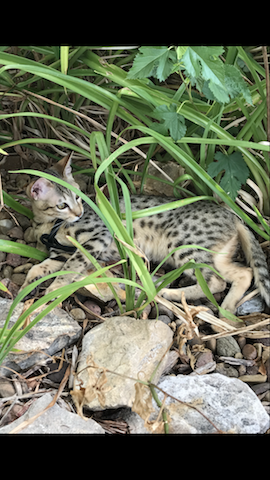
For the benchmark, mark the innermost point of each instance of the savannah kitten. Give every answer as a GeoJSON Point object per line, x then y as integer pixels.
{"type": "Point", "coordinates": [203, 223]}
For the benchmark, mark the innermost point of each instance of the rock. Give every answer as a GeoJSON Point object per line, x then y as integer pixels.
{"type": "Point", "coordinates": [135, 423]}
{"type": "Point", "coordinates": [18, 278]}
{"type": "Point", "coordinates": [3, 256]}
{"type": "Point", "coordinates": [255, 304]}
{"type": "Point", "coordinates": [5, 225]}
{"type": "Point", "coordinates": [78, 314]}
{"type": "Point", "coordinates": [6, 388]}
{"type": "Point", "coordinates": [249, 352]}
{"type": "Point", "coordinates": [7, 271]}
{"type": "Point", "coordinates": [94, 307]}
{"type": "Point", "coordinates": [162, 310]}
{"type": "Point", "coordinates": [211, 344]}
{"type": "Point", "coordinates": [126, 346]}
{"type": "Point", "coordinates": [261, 388]}
{"type": "Point", "coordinates": [227, 346]}
{"type": "Point", "coordinates": [54, 420]}
{"type": "Point", "coordinates": [57, 329]}
{"type": "Point", "coordinates": [241, 341]}
{"type": "Point", "coordinates": [14, 260]}
{"type": "Point", "coordinates": [227, 370]}
{"type": "Point", "coordinates": [230, 404]}
{"type": "Point", "coordinates": [16, 232]}
{"type": "Point", "coordinates": [204, 358]}
{"type": "Point", "coordinates": [165, 319]}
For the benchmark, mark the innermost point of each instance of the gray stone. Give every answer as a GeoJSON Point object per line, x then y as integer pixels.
{"type": "Point", "coordinates": [227, 346]}
{"type": "Point", "coordinates": [127, 346]}
{"type": "Point", "coordinates": [229, 403]}
{"type": "Point", "coordinates": [227, 370]}
{"type": "Point", "coordinates": [255, 304]}
{"type": "Point", "coordinates": [56, 329]}
{"type": "Point", "coordinates": [54, 420]}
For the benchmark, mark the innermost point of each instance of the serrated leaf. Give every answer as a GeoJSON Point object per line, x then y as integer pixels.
{"type": "Point", "coordinates": [204, 62]}
{"type": "Point", "coordinates": [153, 61]}
{"type": "Point", "coordinates": [235, 84]}
{"type": "Point", "coordinates": [172, 121]}
{"type": "Point", "coordinates": [236, 172]}
{"type": "Point", "coordinates": [180, 51]}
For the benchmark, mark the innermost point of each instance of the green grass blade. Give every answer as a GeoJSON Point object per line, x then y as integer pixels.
{"type": "Point", "coordinates": [21, 249]}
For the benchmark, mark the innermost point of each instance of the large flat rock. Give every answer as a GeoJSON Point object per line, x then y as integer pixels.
{"type": "Point", "coordinates": [126, 346]}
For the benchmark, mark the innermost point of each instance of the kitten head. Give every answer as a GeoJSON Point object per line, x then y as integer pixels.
{"type": "Point", "coordinates": [51, 200]}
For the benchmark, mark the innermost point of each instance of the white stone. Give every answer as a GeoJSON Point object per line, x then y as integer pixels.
{"type": "Point", "coordinates": [54, 420]}
{"type": "Point", "coordinates": [228, 402]}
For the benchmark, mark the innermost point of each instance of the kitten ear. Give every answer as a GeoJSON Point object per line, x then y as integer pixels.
{"type": "Point", "coordinates": [63, 166]}
{"type": "Point", "coordinates": [40, 189]}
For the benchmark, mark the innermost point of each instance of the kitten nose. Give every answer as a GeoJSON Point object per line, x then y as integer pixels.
{"type": "Point", "coordinates": [78, 212]}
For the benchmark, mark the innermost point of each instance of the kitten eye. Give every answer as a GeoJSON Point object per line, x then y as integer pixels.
{"type": "Point", "coordinates": [77, 197]}
{"type": "Point", "coordinates": [62, 206]}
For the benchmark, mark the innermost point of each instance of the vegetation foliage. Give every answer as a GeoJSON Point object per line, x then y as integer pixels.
{"type": "Point", "coordinates": [203, 107]}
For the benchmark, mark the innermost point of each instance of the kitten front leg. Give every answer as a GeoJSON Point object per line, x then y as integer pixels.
{"type": "Point", "coordinates": [79, 263]}
{"type": "Point", "coordinates": [50, 265]}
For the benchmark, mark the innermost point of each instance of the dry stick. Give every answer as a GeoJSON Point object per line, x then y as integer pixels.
{"type": "Point", "coordinates": [266, 66]}
{"type": "Point", "coordinates": [51, 404]}
{"type": "Point", "coordinates": [238, 331]}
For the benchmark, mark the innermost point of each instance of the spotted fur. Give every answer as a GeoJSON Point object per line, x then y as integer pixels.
{"type": "Point", "coordinates": [202, 223]}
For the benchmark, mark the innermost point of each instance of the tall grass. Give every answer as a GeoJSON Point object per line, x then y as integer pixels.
{"type": "Point", "coordinates": [48, 91]}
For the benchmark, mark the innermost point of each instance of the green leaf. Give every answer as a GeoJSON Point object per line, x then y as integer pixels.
{"type": "Point", "coordinates": [236, 172]}
{"type": "Point", "coordinates": [233, 86]}
{"type": "Point", "coordinates": [172, 122]}
{"type": "Point", "coordinates": [153, 61]}
{"type": "Point", "coordinates": [203, 63]}
{"type": "Point", "coordinates": [235, 83]}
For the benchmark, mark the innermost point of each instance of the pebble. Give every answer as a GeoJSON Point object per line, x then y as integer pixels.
{"type": "Point", "coordinates": [78, 314]}
{"type": "Point", "coordinates": [164, 319]}
{"type": "Point", "coordinates": [241, 341]}
{"type": "Point", "coordinates": [2, 257]}
{"type": "Point", "coordinates": [6, 225]}
{"type": "Point", "coordinates": [94, 307]}
{"type": "Point", "coordinates": [211, 344]}
{"type": "Point", "coordinates": [7, 271]}
{"type": "Point", "coordinates": [226, 370]}
{"type": "Point", "coordinates": [18, 278]}
{"type": "Point", "coordinates": [162, 310]}
{"type": "Point", "coordinates": [242, 370]}
{"type": "Point", "coordinates": [255, 304]}
{"type": "Point", "coordinates": [14, 260]}
{"type": "Point", "coordinates": [227, 346]}
{"type": "Point", "coordinates": [204, 358]}
{"type": "Point", "coordinates": [16, 232]}
{"type": "Point", "coordinates": [6, 388]}
{"type": "Point", "coordinates": [249, 352]}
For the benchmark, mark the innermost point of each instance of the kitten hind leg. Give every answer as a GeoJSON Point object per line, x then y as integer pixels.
{"type": "Point", "coordinates": [193, 292]}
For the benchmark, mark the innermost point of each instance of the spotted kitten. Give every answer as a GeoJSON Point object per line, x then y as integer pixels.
{"type": "Point", "coordinates": [204, 223]}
